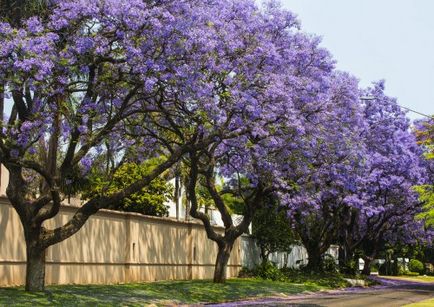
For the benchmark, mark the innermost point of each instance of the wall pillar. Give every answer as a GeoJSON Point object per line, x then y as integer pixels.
{"type": "Point", "coordinates": [128, 253]}
{"type": "Point", "coordinates": [190, 251]}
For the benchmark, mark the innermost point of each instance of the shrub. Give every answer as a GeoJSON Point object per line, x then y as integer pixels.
{"type": "Point", "coordinates": [269, 270]}
{"type": "Point", "coordinates": [416, 266]}
{"type": "Point", "coordinates": [409, 273]}
{"type": "Point", "coordinates": [401, 270]}
{"type": "Point", "coordinates": [329, 264]}
{"type": "Point", "coordinates": [350, 267]}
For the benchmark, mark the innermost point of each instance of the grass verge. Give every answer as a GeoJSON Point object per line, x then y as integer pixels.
{"type": "Point", "coordinates": [412, 278]}
{"type": "Point", "coordinates": [425, 303]}
{"type": "Point", "coordinates": [157, 293]}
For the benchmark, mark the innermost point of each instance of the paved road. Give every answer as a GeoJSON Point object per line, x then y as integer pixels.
{"type": "Point", "coordinates": [394, 294]}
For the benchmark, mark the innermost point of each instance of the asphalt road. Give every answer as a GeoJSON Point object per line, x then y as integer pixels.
{"type": "Point", "coordinates": [398, 294]}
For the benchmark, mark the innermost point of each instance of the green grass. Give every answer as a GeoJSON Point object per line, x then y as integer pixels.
{"type": "Point", "coordinates": [412, 278]}
{"type": "Point", "coordinates": [156, 293]}
{"type": "Point", "coordinates": [425, 303]}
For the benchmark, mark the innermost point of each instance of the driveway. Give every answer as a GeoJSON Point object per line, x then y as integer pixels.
{"type": "Point", "coordinates": [391, 293]}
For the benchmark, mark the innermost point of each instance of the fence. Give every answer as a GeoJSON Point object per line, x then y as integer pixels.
{"type": "Point", "coordinates": [114, 247]}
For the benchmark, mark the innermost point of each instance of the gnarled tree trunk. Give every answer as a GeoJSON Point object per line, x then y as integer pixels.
{"type": "Point", "coordinates": [224, 241]}
{"type": "Point", "coordinates": [35, 269]}
{"type": "Point", "coordinates": [224, 253]}
{"type": "Point", "coordinates": [35, 261]}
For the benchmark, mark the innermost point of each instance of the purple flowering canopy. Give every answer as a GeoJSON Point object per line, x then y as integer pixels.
{"type": "Point", "coordinates": [274, 112]}
{"type": "Point", "coordinates": [136, 79]}
{"type": "Point", "coordinates": [232, 90]}
{"type": "Point", "coordinates": [351, 178]}
{"type": "Point", "coordinates": [325, 171]}
{"type": "Point", "coordinates": [395, 165]}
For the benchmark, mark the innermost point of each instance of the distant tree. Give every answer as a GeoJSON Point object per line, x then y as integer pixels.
{"type": "Point", "coordinates": [327, 172]}
{"type": "Point", "coordinates": [272, 229]}
{"type": "Point", "coordinates": [388, 203]}
{"type": "Point", "coordinates": [150, 200]}
{"type": "Point", "coordinates": [424, 131]}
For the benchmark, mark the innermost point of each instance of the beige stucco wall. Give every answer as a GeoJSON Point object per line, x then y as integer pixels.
{"type": "Point", "coordinates": [114, 247]}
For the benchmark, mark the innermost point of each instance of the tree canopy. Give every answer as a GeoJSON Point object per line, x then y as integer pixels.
{"type": "Point", "coordinates": [150, 200]}
{"type": "Point", "coordinates": [231, 89]}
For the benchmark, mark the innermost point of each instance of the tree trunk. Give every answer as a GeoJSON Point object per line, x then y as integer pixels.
{"type": "Point", "coordinates": [367, 266]}
{"type": "Point", "coordinates": [343, 259]}
{"type": "Point", "coordinates": [314, 260]}
{"type": "Point", "coordinates": [264, 255]}
{"type": "Point", "coordinates": [346, 261]}
{"type": "Point", "coordinates": [35, 267]}
{"type": "Point", "coordinates": [222, 260]}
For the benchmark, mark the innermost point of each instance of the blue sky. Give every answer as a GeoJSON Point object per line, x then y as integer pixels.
{"type": "Point", "coordinates": [378, 39]}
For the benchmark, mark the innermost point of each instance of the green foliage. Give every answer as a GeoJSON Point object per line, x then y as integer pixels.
{"type": "Point", "coordinates": [385, 269]}
{"type": "Point", "coordinates": [272, 229]}
{"type": "Point", "coordinates": [235, 205]}
{"type": "Point", "coordinates": [426, 196]}
{"type": "Point", "coordinates": [389, 269]}
{"type": "Point", "coordinates": [416, 266]}
{"type": "Point", "coordinates": [425, 138]}
{"type": "Point", "coordinates": [350, 267]}
{"type": "Point", "coordinates": [268, 270]}
{"type": "Point", "coordinates": [329, 264]}
{"type": "Point", "coordinates": [400, 270]}
{"type": "Point", "coordinates": [150, 200]}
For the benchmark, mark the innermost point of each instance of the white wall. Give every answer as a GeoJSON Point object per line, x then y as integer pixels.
{"type": "Point", "coordinates": [251, 257]}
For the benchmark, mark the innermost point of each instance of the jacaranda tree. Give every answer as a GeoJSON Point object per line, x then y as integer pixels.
{"type": "Point", "coordinates": [327, 170]}
{"type": "Point", "coordinates": [283, 75]}
{"type": "Point", "coordinates": [424, 131]}
{"type": "Point", "coordinates": [394, 167]}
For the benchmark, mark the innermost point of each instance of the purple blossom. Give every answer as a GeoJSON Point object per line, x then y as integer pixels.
{"type": "Point", "coordinates": [34, 25]}
{"type": "Point", "coordinates": [86, 163]}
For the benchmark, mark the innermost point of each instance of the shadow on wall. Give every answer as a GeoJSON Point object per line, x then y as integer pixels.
{"type": "Point", "coordinates": [113, 247]}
